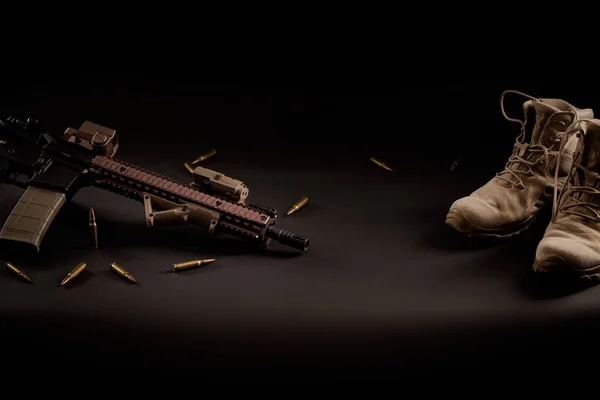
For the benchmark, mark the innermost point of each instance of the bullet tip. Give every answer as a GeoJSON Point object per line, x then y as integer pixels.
{"type": "Point", "coordinates": [210, 260]}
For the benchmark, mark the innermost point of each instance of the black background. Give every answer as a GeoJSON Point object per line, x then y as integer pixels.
{"type": "Point", "coordinates": [385, 287]}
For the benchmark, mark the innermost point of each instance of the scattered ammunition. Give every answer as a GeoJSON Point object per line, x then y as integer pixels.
{"type": "Point", "coordinates": [73, 274]}
{"type": "Point", "coordinates": [204, 157]}
{"type": "Point", "coordinates": [17, 272]}
{"type": "Point", "coordinates": [301, 203]}
{"type": "Point", "coordinates": [93, 228]}
{"type": "Point", "coordinates": [191, 264]}
{"type": "Point", "coordinates": [381, 164]}
{"type": "Point", "coordinates": [188, 167]}
{"type": "Point", "coordinates": [122, 272]}
{"type": "Point", "coordinates": [455, 163]}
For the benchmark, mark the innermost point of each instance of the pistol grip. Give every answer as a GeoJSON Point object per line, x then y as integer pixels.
{"type": "Point", "coordinates": [32, 216]}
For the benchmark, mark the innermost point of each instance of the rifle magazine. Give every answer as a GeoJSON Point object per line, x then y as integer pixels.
{"type": "Point", "coordinates": [30, 219]}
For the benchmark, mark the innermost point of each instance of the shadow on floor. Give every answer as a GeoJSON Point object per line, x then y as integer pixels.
{"type": "Point", "coordinates": [513, 257]}
{"type": "Point", "coordinates": [69, 236]}
{"type": "Point", "coordinates": [543, 286]}
{"type": "Point", "coordinates": [442, 237]}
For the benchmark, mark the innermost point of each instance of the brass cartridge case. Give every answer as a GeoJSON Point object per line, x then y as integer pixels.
{"type": "Point", "coordinates": [184, 266]}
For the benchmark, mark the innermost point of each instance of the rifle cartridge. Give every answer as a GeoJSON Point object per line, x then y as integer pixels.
{"type": "Point", "coordinates": [204, 157]}
{"type": "Point", "coordinates": [122, 272]}
{"type": "Point", "coordinates": [188, 167]}
{"type": "Point", "coordinates": [455, 163]}
{"type": "Point", "coordinates": [298, 205]}
{"type": "Point", "coordinates": [381, 163]}
{"type": "Point", "coordinates": [75, 272]}
{"type": "Point", "coordinates": [93, 228]}
{"type": "Point", "coordinates": [18, 273]}
{"type": "Point", "coordinates": [184, 266]}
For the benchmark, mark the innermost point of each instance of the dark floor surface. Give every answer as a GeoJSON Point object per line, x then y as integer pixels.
{"type": "Point", "coordinates": [385, 285]}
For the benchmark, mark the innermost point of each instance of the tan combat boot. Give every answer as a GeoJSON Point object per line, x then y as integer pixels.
{"type": "Point", "coordinates": [508, 203]}
{"type": "Point", "coordinates": [571, 242]}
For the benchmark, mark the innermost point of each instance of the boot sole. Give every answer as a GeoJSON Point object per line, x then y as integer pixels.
{"type": "Point", "coordinates": [557, 265]}
{"type": "Point", "coordinates": [459, 223]}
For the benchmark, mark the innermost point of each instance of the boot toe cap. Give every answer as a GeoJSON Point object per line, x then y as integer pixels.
{"type": "Point", "coordinates": [471, 213]}
{"type": "Point", "coordinates": [564, 255]}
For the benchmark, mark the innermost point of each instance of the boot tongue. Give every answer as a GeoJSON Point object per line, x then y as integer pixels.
{"type": "Point", "coordinates": [541, 127]}
{"type": "Point", "coordinates": [536, 117]}
{"type": "Point", "coordinates": [543, 112]}
{"type": "Point", "coordinates": [550, 122]}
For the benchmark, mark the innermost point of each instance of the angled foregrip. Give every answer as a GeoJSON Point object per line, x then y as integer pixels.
{"type": "Point", "coordinates": [32, 216]}
{"type": "Point", "coordinates": [173, 213]}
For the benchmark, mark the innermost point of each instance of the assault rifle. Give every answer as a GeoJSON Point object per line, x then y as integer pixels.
{"type": "Point", "coordinates": [52, 170]}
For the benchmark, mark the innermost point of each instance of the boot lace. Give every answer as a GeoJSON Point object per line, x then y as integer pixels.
{"type": "Point", "coordinates": [574, 186]}
{"type": "Point", "coordinates": [520, 147]}
{"type": "Point", "coordinates": [515, 160]}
